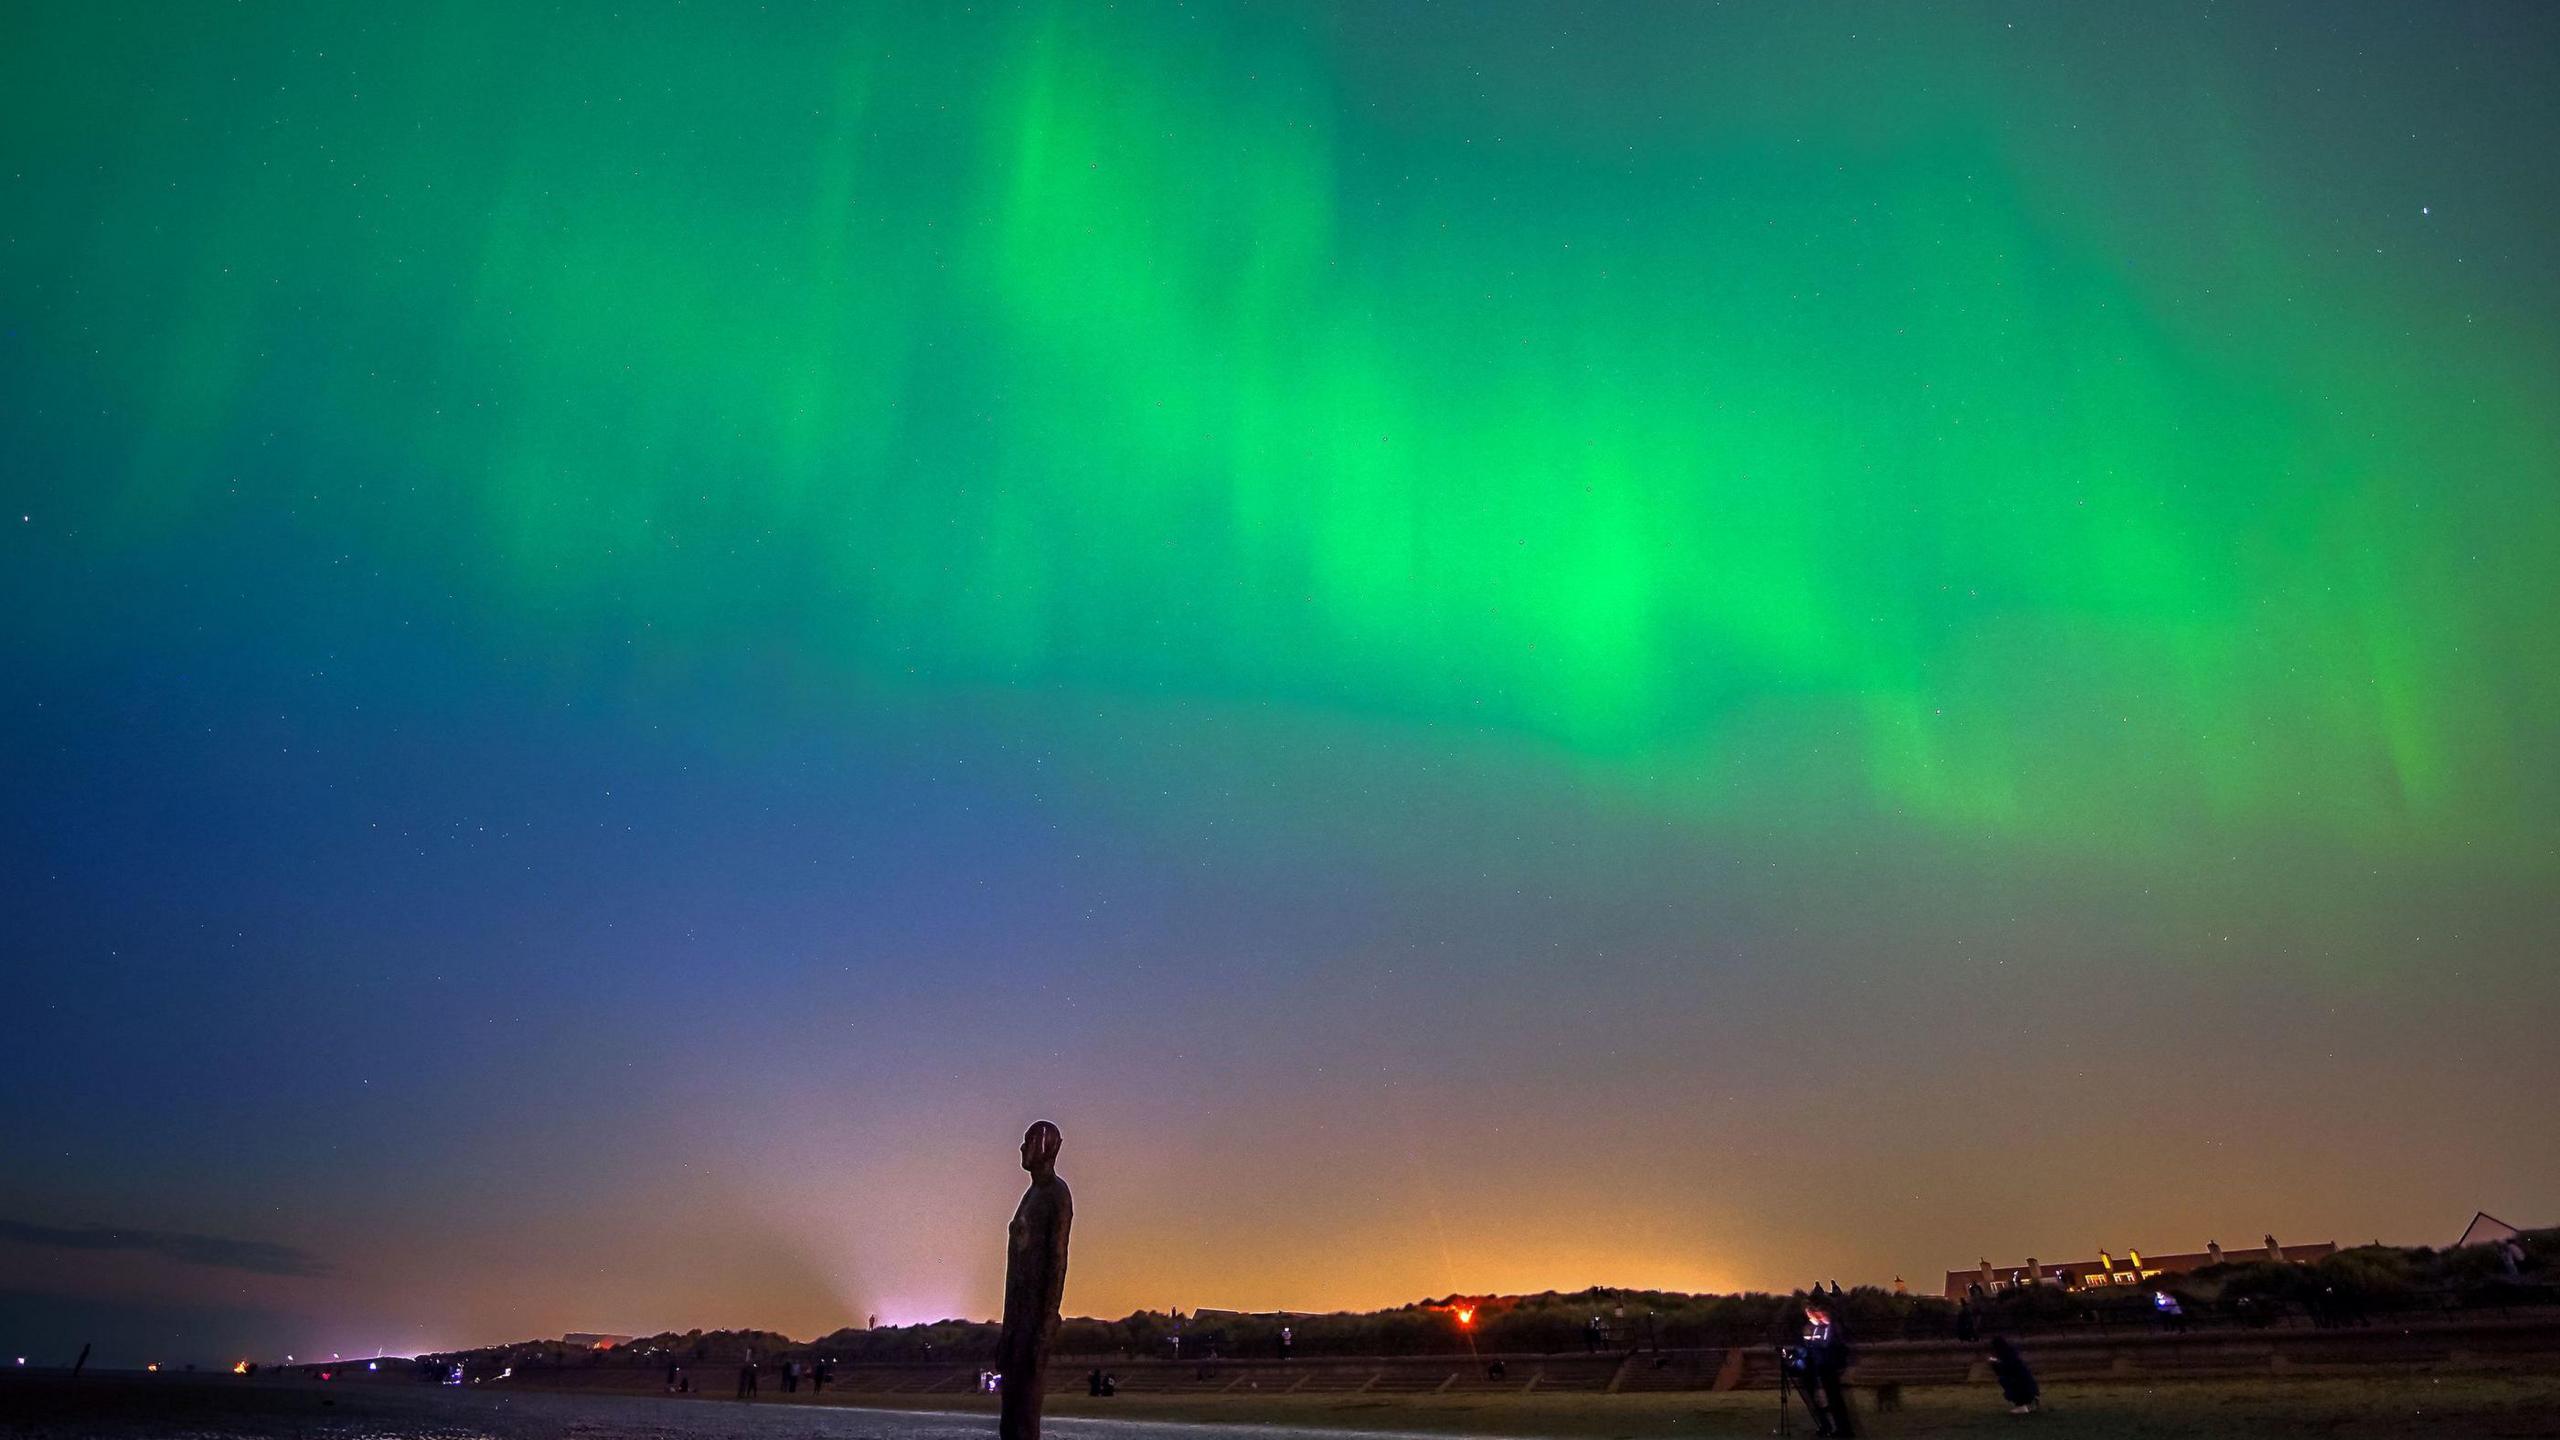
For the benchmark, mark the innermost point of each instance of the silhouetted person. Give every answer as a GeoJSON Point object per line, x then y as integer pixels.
{"type": "Point", "coordinates": [673, 1372]}
{"type": "Point", "coordinates": [747, 1378]}
{"type": "Point", "coordinates": [2173, 1316]}
{"type": "Point", "coordinates": [2017, 1382]}
{"type": "Point", "coordinates": [1825, 1364]}
{"type": "Point", "coordinates": [819, 1377]}
{"type": "Point", "coordinates": [1035, 1279]}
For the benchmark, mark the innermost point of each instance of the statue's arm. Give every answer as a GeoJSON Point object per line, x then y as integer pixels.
{"type": "Point", "coordinates": [1062, 1214]}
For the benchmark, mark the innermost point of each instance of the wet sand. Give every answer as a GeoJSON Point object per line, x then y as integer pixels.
{"type": "Point", "coordinates": [2476, 1407]}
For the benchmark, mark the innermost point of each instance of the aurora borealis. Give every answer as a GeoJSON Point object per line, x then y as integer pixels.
{"type": "Point", "coordinates": [1490, 646]}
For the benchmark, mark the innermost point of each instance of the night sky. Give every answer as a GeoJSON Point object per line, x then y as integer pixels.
{"type": "Point", "coordinates": [1491, 647]}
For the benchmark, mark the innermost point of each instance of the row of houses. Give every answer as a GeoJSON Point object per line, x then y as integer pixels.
{"type": "Point", "coordinates": [2136, 1267]}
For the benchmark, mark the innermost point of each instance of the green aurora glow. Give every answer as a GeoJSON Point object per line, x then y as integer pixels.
{"type": "Point", "coordinates": [1986, 435]}
{"type": "Point", "coordinates": [1492, 646]}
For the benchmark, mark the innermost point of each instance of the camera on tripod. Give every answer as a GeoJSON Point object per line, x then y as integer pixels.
{"type": "Point", "coordinates": [1814, 1368]}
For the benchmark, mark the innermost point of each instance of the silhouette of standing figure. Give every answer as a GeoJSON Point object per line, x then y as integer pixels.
{"type": "Point", "coordinates": [1035, 1278]}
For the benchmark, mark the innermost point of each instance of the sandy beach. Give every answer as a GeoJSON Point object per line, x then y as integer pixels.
{"type": "Point", "coordinates": [121, 1408]}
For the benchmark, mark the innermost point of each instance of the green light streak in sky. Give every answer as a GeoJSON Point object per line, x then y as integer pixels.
{"type": "Point", "coordinates": [1893, 437]}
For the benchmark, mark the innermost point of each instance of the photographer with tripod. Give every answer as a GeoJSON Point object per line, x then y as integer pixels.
{"type": "Point", "coordinates": [1815, 1367]}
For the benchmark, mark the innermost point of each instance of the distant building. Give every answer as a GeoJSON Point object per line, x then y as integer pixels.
{"type": "Point", "coordinates": [1212, 1313]}
{"type": "Point", "coordinates": [2487, 1229]}
{"type": "Point", "coordinates": [582, 1340]}
{"type": "Point", "coordinates": [2132, 1268]}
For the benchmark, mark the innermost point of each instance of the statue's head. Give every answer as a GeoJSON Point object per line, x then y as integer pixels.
{"type": "Point", "coordinates": [1040, 1147]}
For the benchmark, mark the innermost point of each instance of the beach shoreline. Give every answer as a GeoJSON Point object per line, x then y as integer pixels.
{"type": "Point", "coordinates": [119, 1407]}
